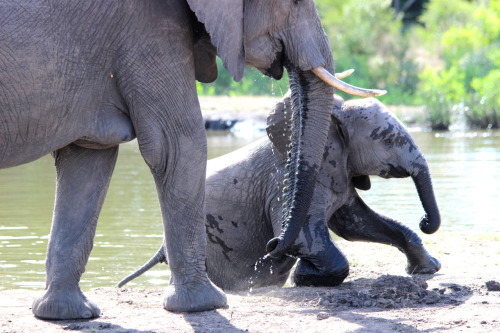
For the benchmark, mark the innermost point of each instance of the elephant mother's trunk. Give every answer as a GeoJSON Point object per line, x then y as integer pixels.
{"type": "Point", "coordinates": [312, 102]}
{"type": "Point", "coordinates": [431, 221]}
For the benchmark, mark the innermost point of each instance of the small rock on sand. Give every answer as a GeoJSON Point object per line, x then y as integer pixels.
{"type": "Point", "coordinates": [493, 285]}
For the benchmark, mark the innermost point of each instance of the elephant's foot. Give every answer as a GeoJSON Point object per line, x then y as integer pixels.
{"type": "Point", "coordinates": [428, 266]}
{"type": "Point", "coordinates": [420, 261]}
{"type": "Point", "coordinates": [194, 297]}
{"type": "Point", "coordinates": [68, 304]}
{"type": "Point", "coordinates": [306, 274]}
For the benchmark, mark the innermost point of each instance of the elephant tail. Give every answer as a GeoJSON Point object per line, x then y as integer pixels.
{"type": "Point", "coordinates": [159, 257]}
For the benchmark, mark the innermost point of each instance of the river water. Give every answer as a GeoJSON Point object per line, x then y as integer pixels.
{"type": "Point", "coordinates": [465, 167]}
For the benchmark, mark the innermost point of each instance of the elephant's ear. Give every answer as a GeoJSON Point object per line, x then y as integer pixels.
{"type": "Point", "coordinates": [333, 172]}
{"type": "Point", "coordinates": [205, 65]}
{"type": "Point", "coordinates": [362, 182]}
{"type": "Point", "coordinates": [223, 21]}
{"type": "Point", "coordinates": [279, 124]}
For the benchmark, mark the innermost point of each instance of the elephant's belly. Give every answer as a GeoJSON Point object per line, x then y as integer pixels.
{"type": "Point", "coordinates": [29, 141]}
{"type": "Point", "coordinates": [26, 145]}
{"type": "Point", "coordinates": [111, 129]}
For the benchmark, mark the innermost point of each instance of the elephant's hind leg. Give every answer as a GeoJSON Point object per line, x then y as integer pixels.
{"type": "Point", "coordinates": [177, 158]}
{"type": "Point", "coordinates": [83, 177]}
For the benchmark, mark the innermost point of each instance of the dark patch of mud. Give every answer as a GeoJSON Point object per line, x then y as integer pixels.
{"type": "Point", "coordinates": [493, 285]}
{"type": "Point", "coordinates": [395, 292]}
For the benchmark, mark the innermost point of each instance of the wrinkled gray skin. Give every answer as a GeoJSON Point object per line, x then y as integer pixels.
{"type": "Point", "coordinates": [243, 202]}
{"type": "Point", "coordinates": [79, 78]}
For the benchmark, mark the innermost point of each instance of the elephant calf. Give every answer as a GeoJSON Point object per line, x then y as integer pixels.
{"type": "Point", "coordinates": [243, 194]}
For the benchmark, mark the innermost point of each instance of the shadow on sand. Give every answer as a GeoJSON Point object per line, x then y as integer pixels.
{"type": "Point", "coordinates": [356, 300]}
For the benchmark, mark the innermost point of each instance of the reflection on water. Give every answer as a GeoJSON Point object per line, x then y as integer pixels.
{"type": "Point", "coordinates": [465, 169]}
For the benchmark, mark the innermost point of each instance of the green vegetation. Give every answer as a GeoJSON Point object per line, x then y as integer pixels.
{"type": "Point", "coordinates": [465, 39]}
{"type": "Point", "coordinates": [369, 37]}
{"type": "Point", "coordinates": [448, 60]}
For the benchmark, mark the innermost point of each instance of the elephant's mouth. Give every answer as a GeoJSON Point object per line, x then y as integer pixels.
{"type": "Point", "coordinates": [276, 69]}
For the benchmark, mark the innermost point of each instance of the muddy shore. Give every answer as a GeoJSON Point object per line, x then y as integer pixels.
{"type": "Point", "coordinates": [376, 297]}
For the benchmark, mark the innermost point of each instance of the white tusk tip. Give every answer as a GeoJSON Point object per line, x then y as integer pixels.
{"type": "Point", "coordinates": [380, 92]}
{"type": "Point", "coordinates": [344, 74]}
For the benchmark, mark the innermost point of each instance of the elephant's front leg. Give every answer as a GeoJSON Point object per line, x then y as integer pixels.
{"type": "Point", "coordinates": [355, 221]}
{"type": "Point", "coordinates": [83, 177]}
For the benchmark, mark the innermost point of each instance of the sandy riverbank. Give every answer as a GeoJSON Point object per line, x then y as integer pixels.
{"type": "Point", "coordinates": [240, 108]}
{"type": "Point", "coordinates": [454, 300]}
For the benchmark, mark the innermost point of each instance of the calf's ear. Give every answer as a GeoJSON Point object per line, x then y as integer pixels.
{"type": "Point", "coordinates": [279, 124]}
{"type": "Point", "coordinates": [333, 171]}
{"type": "Point", "coordinates": [223, 20]}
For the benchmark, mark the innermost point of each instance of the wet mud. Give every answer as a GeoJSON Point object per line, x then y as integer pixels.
{"type": "Point", "coordinates": [395, 292]}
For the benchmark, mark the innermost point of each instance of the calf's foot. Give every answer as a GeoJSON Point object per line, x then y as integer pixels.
{"type": "Point", "coordinates": [428, 266]}
{"type": "Point", "coordinates": [420, 261]}
{"type": "Point", "coordinates": [308, 274]}
{"type": "Point", "coordinates": [64, 304]}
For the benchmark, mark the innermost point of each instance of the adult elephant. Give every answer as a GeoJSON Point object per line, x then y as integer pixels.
{"type": "Point", "coordinates": [80, 78]}
{"type": "Point", "coordinates": [243, 201]}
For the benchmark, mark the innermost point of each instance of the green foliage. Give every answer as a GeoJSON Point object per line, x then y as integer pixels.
{"type": "Point", "coordinates": [441, 92]}
{"type": "Point", "coordinates": [484, 110]}
{"type": "Point", "coordinates": [367, 36]}
{"type": "Point", "coordinates": [440, 15]}
{"type": "Point", "coordinates": [448, 62]}
{"type": "Point", "coordinates": [469, 51]}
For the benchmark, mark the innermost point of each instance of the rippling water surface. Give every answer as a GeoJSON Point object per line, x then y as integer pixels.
{"type": "Point", "coordinates": [465, 167]}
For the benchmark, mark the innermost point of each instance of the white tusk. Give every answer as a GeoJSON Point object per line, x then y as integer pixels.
{"type": "Point", "coordinates": [344, 74]}
{"type": "Point", "coordinates": [324, 75]}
